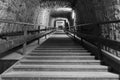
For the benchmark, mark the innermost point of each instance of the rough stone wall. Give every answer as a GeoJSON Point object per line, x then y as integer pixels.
{"type": "Point", "coordinates": [90, 11]}
{"type": "Point", "coordinates": [16, 10]}
{"type": "Point", "coordinates": [108, 10]}
{"type": "Point", "coordinates": [85, 11]}
{"type": "Point", "coordinates": [31, 11]}
{"type": "Point", "coordinates": [85, 14]}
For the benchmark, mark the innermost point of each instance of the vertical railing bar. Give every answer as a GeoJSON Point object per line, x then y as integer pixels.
{"type": "Point", "coordinates": [99, 55]}
{"type": "Point", "coordinates": [74, 32]}
{"type": "Point", "coordinates": [45, 31]}
{"type": "Point", "coordinates": [38, 34]}
{"type": "Point", "coordinates": [25, 42]}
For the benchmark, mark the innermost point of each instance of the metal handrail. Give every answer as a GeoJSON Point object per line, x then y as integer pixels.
{"type": "Point", "coordinates": [15, 22]}
{"type": "Point", "coordinates": [25, 32]}
{"type": "Point", "coordinates": [107, 42]}
{"type": "Point", "coordinates": [21, 23]}
{"type": "Point", "coordinates": [94, 44]}
{"type": "Point", "coordinates": [97, 23]}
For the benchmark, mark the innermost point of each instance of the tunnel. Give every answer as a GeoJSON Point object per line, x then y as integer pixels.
{"type": "Point", "coordinates": [59, 39]}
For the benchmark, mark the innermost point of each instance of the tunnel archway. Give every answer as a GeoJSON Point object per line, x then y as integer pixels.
{"type": "Point", "coordinates": [66, 23]}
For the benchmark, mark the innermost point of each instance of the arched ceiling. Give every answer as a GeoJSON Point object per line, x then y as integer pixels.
{"type": "Point", "coordinates": [64, 14]}
{"type": "Point", "coordinates": [50, 3]}
{"type": "Point", "coordinates": [53, 3]}
{"type": "Point", "coordinates": [51, 7]}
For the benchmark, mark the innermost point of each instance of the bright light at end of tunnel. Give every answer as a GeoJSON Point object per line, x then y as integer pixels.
{"type": "Point", "coordinates": [64, 9]}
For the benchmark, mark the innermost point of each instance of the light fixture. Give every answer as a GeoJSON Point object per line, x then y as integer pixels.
{"type": "Point", "coordinates": [64, 9]}
{"type": "Point", "coordinates": [73, 14]}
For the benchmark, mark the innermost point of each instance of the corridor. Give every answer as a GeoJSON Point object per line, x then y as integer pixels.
{"type": "Point", "coordinates": [59, 39]}
{"type": "Point", "coordinates": [59, 58]}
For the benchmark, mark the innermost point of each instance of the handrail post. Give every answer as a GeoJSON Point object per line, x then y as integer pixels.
{"type": "Point", "coordinates": [25, 42]}
{"type": "Point", "coordinates": [99, 51]}
{"type": "Point", "coordinates": [38, 34]}
{"type": "Point", "coordinates": [99, 44]}
{"type": "Point", "coordinates": [79, 31]}
{"type": "Point", "coordinates": [74, 32]}
{"type": "Point", "coordinates": [81, 41]}
{"type": "Point", "coordinates": [45, 31]}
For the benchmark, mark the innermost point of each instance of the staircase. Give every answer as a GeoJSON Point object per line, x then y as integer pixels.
{"type": "Point", "coordinates": [59, 58]}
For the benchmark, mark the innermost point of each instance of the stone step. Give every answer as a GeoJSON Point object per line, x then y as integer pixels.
{"type": "Point", "coordinates": [60, 57]}
{"type": "Point", "coordinates": [43, 75]}
{"type": "Point", "coordinates": [59, 51]}
{"type": "Point", "coordinates": [58, 42]}
{"type": "Point", "coordinates": [63, 45]}
{"type": "Point", "coordinates": [50, 46]}
{"type": "Point", "coordinates": [78, 68]}
{"type": "Point", "coordinates": [60, 62]}
{"type": "Point", "coordinates": [58, 54]}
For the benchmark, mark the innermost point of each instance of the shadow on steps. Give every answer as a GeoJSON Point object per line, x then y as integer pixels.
{"type": "Point", "coordinates": [5, 64]}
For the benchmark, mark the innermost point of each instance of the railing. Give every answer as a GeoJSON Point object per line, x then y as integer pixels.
{"type": "Point", "coordinates": [25, 32]}
{"type": "Point", "coordinates": [97, 43]}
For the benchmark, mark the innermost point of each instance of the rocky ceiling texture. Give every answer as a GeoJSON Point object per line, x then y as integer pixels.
{"type": "Point", "coordinates": [25, 10]}
{"type": "Point", "coordinates": [41, 11]}
{"type": "Point", "coordinates": [31, 11]}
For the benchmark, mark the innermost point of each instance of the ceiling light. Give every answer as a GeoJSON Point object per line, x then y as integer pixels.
{"type": "Point", "coordinates": [64, 9]}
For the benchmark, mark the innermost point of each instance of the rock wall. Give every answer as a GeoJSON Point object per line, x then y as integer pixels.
{"type": "Point", "coordinates": [90, 11]}
{"type": "Point", "coordinates": [85, 13]}
{"type": "Point", "coordinates": [30, 11]}
{"type": "Point", "coordinates": [108, 10]}
{"type": "Point", "coordinates": [16, 10]}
